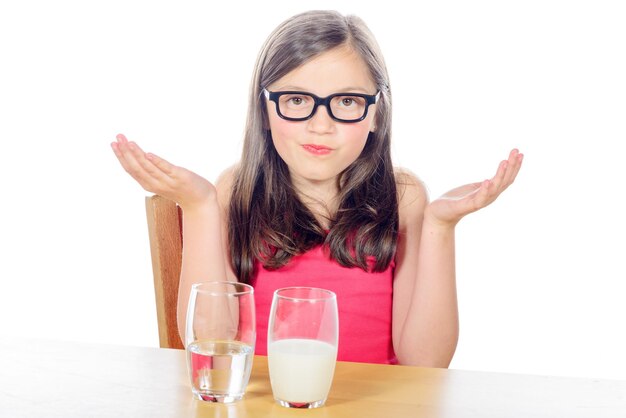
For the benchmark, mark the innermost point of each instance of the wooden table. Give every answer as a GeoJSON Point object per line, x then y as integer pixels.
{"type": "Point", "coordinates": [61, 379]}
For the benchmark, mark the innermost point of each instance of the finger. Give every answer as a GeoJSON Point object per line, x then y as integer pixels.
{"type": "Point", "coordinates": [520, 160]}
{"type": "Point", "coordinates": [483, 195]}
{"type": "Point", "coordinates": [120, 156]}
{"type": "Point", "coordinates": [121, 146]}
{"type": "Point", "coordinates": [121, 138]}
{"type": "Point", "coordinates": [513, 155]}
{"type": "Point", "coordinates": [165, 166]}
{"type": "Point", "coordinates": [115, 149]}
{"type": "Point", "coordinates": [485, 190]}
{"type": "Point", "coordinates": [119, 152]}
{"type": "Point", "coordinates": [513, 168]}
{"type": "Point", "coordinates": [133, 167]}
{"type": "Point", "coordinates": [159, 162]}
{"type": "Point", "coordinates": [148, 166]}
{"type": "Point", "coordinates": [497, 180]}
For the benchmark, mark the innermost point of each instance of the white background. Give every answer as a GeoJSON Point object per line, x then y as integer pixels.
{"type": "Point", "coordinates": [540, 272]}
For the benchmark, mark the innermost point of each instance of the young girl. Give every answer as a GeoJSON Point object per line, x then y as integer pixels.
{"type": "Point", "coordinates": [315, 200]}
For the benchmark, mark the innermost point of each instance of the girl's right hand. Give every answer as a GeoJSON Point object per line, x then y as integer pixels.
{"type": "Point", "coordinates": [158, 176]}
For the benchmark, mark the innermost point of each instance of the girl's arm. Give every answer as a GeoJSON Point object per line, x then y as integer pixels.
{"type": "Point", "coordinates": [425, 312]}
{"type": "Point", "coordinates": [204, 220]}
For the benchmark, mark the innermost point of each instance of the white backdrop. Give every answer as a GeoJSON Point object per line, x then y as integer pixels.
{"type": "Point", "coordinates": [540, 272]}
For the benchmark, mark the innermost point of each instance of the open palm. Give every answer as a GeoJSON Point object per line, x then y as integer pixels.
{"type": "Point", "coordinates": [460, 201]}
{"type": "Point", "coordinates": [158, 176]}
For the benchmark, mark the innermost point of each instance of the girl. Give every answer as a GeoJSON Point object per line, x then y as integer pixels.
{"type": "Point", "coordinates": [315, 200]}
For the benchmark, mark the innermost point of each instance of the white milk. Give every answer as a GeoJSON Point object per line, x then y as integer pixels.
{"type": "Point", "coordinates": [301, 370]}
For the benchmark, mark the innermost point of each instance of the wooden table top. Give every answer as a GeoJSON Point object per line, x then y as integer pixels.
{"type": "Point", "coordinates": [62, 379]}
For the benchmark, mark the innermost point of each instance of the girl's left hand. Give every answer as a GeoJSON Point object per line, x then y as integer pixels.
{"type": "Point", "coordinates": [455, 204]}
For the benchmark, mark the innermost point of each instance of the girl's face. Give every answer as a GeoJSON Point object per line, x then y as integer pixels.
{"type": "Point", "coordinates": [319, 149]}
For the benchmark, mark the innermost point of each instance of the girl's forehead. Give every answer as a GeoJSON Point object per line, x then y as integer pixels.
{"type": "Point", "coordinates": [338, 70]}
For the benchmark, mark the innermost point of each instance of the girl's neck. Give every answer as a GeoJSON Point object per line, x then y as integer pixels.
{"type": "Point", "coordinates": [321, 197]}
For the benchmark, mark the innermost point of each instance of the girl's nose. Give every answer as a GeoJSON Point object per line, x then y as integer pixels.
{"type": "Point", "coordinates": [321, 122]}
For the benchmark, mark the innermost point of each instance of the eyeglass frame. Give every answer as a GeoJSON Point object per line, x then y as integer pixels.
{"type": "Point", "coordinates": [275, 95]}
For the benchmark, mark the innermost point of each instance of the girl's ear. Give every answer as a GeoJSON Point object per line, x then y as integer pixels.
{"type": "Point", "coordinates": [374, 123]}
{"type": "Point", "coordinates": [264, 115]}
{"type": "Point", "coordinates": [373, 126]}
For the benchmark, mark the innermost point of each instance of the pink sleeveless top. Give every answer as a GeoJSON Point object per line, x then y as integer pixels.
{"type": "Point", "coordinates": [364, 302]}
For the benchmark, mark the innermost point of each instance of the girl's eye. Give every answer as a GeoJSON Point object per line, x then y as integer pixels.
{"type": "Point", "coordinates": [350, 101]}
{"type": "Point", "coordinates": [296, 100]}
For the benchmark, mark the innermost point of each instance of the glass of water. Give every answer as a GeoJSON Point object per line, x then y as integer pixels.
{"type": "Point", "coordinates": [219, 339]}
{"type": "Point", "coordinates": [302, 345]}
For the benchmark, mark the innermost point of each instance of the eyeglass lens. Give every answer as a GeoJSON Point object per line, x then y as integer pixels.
{"type": "Point", "coordinates": [342, 107]}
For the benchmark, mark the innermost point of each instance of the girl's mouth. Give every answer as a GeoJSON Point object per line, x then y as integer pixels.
{"type": "Point", "coordinates": [317, 149]}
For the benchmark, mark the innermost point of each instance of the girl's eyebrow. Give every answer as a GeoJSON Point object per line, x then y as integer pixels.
{"type": "Point", "coordinates": [342, 90]}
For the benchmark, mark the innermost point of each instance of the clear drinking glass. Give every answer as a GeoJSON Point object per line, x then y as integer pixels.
{"type": "Point", "coordinates": [219, 339]}
{"type": "Point", "coordinates": [302, 345]}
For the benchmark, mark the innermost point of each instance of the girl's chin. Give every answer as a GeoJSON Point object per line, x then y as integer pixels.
{"type": "Point", "coordinates": [313, 177]}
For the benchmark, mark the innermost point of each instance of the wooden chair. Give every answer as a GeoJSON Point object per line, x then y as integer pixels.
{"type": "Point", "coordinates": [166, 246]}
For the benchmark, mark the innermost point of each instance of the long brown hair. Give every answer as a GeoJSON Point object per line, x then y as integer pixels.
{"type": "Point", "coordinates": [267, 220]}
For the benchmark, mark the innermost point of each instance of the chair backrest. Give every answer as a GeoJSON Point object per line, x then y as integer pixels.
{"type": "Point", "coordinates": [166, 246]}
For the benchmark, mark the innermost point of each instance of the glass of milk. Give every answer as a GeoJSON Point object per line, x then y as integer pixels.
{"type": "Point", "coordinates": [219, 340]}
{"type": "Point", "coordinates": [302, 345]}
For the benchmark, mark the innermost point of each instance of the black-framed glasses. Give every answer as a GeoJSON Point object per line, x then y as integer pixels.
{"type": "Point", "coordinates": [342, 107]}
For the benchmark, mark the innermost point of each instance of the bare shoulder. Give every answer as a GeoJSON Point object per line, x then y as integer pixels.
{"type": "Point", "coordinates": [412, 196]}
{"type": "Point", "coordinates": [224, 185]}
